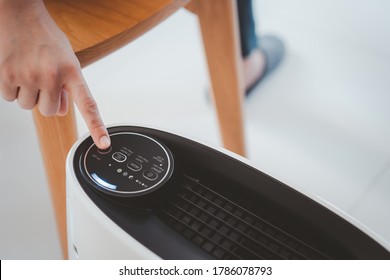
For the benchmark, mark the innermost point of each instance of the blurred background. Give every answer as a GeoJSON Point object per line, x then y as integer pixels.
{"type": "Point", "coordinates": [319, 123]}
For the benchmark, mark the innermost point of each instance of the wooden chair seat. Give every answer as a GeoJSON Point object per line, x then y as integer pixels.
{"type": "Point", "coordinates": [96, 28]}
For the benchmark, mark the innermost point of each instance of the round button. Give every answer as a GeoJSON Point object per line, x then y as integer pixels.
{"type": "Point", "coordinates": [104, 151]}
{"type": "Point", "coordinates": [135, 166]}
{"type": "Point", "coordinates": [150, 175]}
{"type": "Point", "coordinates": [119, 157]}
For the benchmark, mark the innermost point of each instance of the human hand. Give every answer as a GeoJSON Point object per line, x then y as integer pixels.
{"type": "Point", "coordinates": [39, 68]}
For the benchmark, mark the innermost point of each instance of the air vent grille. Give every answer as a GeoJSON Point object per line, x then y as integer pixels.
{"type": "Point", "coordinates": [227, 229]}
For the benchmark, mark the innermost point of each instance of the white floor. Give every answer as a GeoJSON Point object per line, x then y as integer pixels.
{"type": "Point", "coordinates": [320, 123]}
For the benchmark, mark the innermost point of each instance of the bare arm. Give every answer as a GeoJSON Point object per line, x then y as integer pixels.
{"type": "Point", "coordinates": [39, 68]}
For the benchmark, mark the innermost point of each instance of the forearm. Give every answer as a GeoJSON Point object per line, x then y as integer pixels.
{"type": "Point", "coordinates": [22, 10]}
{"type": "Point", "coordinates": [12, 5]}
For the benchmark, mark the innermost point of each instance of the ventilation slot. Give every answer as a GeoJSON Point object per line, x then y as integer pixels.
{"type": "Point", "coordinates": [227, 230]}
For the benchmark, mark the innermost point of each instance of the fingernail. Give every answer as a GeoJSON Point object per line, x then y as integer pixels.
{"type": "Point", "coordinates": [104, 142]}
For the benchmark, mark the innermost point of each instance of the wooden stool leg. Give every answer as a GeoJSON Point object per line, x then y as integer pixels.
{"type": "Point", "coordinates": [56, 136]}
{"type": "Point", "coordinates": [219, 25]}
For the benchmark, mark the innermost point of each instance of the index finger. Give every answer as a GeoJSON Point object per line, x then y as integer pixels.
{"type": "Point", "coordinates": [78, 89]}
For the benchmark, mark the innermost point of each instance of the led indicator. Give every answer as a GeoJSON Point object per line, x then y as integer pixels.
{"type": "Point", "coordinates": [102, 182]}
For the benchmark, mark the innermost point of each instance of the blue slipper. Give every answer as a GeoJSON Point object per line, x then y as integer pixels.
{"type": "Point", "coordinates": [273, 50]}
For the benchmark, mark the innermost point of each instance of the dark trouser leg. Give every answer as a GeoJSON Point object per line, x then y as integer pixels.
{"type": "Point", "coordinates": [248, 38]}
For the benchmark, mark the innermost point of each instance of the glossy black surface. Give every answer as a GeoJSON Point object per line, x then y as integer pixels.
{"type": "Point", "coordinates": [133, 165]}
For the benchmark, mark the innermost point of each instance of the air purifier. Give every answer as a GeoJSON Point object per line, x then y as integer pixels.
{"type": "Point", "coordinates": [158, 195]}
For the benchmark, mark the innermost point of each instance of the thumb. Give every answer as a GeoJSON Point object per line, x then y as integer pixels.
{"type": "Point", "coordinates": [78, 89]}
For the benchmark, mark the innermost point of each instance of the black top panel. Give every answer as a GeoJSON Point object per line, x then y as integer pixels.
{"type": "Point", "coordinates": [134, 164]}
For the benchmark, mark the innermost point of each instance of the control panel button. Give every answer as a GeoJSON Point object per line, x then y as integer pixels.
{"type": "Point", "coordinates": [135, 166]}
{"type": "Point", "coordinates": [104, 151]}
{"type": "Point", "coordinates": [119, 157]}
{"type": "Point", "coordinates": [150, 175]}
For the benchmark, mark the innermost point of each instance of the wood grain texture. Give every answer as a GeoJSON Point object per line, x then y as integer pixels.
{"type": "Point", "coordinates": [218, 22]}
{"type": "Point", "coordinates": [56, 135]}
{"type": "Point", "coordinates": [96, 28]}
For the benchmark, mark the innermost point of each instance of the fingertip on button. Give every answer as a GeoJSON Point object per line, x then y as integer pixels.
{"type": "Point", "coordinates": [104, 151]}
{"type": "Point", "coordinates": [104, 141]}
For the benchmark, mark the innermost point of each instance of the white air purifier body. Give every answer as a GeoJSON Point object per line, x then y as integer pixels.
{"type": "Point", "coordinates": [157, 195]}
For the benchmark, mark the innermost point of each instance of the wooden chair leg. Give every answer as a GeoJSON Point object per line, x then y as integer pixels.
{"type": "Point", "coordinates": [219, 26]}
{"type": "Point", "coordinates": [56, 135]}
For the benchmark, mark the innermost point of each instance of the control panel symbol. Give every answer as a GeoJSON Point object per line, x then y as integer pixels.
{"type": "Point", "coordinates": [150, 175]}
{"type": "Point", "coordinates": [119, 170]}
{"type": "Point", "coordinates": [135, 166]}
{"type": "Point", "coordinates": [119, 157]}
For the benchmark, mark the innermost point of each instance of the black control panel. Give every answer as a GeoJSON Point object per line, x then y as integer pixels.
{"type": "Point", "coordinates": [135, 164]}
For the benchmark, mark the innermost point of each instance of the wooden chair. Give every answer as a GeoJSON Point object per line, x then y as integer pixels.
{"type": "Point", "coordinates": [96, 28]}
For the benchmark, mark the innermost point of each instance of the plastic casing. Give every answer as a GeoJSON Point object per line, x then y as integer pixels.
{"type": "Point", "coordinates": [93, 235]}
